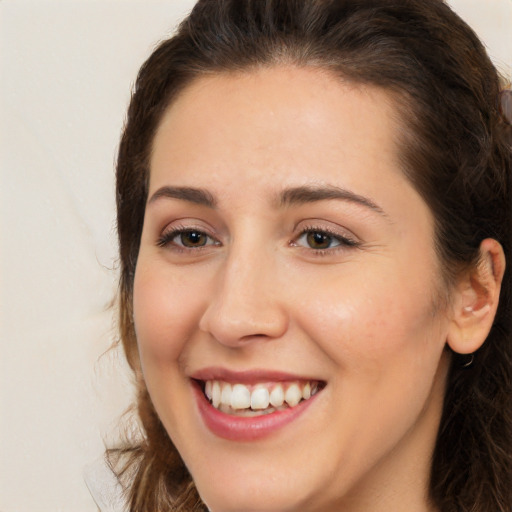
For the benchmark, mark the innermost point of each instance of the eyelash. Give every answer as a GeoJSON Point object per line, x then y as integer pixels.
{"type": "Point", "coordinates": [344, 242]}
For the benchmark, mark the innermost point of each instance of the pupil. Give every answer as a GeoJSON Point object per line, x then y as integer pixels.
{"type": "Point", "coordinates": [319, 240]}
{"type": "Point", "coordinates": [193, 239]}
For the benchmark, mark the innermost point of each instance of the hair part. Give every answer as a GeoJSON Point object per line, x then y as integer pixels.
{"type": "Point", "coordinates": [455, 149]}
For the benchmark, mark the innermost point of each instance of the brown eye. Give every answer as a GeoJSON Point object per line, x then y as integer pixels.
{"type": "Point", "coordinates": [319, 240]}
{"type": "Point", "coordinates": [186, 239]}
{"type": "Point", "coordinates": [193, 239]}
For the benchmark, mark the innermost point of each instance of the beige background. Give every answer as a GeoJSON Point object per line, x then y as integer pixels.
{"type": "Point", "coordinates": [65, 73]}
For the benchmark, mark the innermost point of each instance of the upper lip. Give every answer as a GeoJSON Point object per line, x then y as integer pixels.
{"type": "Point", "coordinates": [253, 376]}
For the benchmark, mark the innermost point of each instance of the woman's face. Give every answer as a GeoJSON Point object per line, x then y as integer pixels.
{"type": "Point", "coordinates": [285, 258]}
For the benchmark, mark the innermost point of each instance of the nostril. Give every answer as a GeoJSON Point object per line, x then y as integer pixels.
{"type": "Point", "coordinates": [236, 325]}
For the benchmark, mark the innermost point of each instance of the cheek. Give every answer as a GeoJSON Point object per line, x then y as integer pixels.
{"type": "Point", "coordinates": [384, 344]}
{"type": "Point", "coordinates": [375, 320]}
{"type": "Point", "coordinates": [166, 310]}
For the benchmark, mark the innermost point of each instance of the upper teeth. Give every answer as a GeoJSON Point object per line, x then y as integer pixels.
{"type": "Point", "coordinates": [258, 396]}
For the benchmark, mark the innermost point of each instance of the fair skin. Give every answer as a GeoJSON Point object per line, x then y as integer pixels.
{"type": "Point", "coordinates": [242, 283]}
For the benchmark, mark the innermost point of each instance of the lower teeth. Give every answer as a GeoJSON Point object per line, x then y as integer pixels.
{"type": "Point", "coordinates": [249, 412]}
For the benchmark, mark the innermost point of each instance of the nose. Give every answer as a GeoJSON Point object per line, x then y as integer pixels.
{"type": "Point", "coordinates": [245, 303]}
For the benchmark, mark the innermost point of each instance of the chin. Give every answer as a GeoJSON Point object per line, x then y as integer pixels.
{"type": "Point", "coordinates": [257, 497]}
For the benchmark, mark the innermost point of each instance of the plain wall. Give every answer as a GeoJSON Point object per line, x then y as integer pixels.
{"type": "Point", "coordinates": [66, 70]}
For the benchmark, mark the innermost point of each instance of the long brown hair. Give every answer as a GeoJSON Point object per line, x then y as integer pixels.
{"type": "Point", "coordinates": [455, 150]}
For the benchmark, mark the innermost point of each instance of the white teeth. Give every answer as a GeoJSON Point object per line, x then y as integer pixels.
{"type": "Point", "coordinates": [216, 394]}
{"type": "Point", "coordinates": [306, 392]}
{"type": "Point", "coordinates": [277, 396]}
{"type": "Point", "coordinates": [225, 396]}
{"type": "Point", "coordinates": [240, 397]}
{"type": "Point", "coordinates": [208, 389]}
{"type": "Point", "coordinates": [293, 395]}
{"type": "Point", "coordinates": [237, 397]}
{"type": "Point", "coordinates": [260, 398]}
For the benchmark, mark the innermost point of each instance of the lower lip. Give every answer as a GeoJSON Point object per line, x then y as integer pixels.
{"type": "Point", "coordinates": [237, 428]}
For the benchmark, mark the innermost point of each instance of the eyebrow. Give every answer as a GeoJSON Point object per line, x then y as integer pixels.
{"type": "Point", "coordinates": [311, 194]}
{"type": "Point", "coordinates": [289, 197]}
{"type": "Point", "coordinates": [192, 195]}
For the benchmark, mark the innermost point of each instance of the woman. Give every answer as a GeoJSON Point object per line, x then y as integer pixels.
{"type": "Point", "coordinates": [314, 219]}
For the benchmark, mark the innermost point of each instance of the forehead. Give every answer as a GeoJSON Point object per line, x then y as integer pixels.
{"type": "Point", "coordinates": [278, 107]}
{"type": "Point", "coordinates": [277, 125]}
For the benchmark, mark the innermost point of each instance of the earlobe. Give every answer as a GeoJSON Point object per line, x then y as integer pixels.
{"type": "Point", "coordinates": [476, 300]}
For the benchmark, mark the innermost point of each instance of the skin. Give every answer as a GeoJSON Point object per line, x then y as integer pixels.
{"type": "Point", "coordinates": [364, 319]}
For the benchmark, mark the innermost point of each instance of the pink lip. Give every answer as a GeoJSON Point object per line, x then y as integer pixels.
{"type": "Point", "coordinates": [247, 377]}
{"type": "Point", "coordinates": [236, 428]}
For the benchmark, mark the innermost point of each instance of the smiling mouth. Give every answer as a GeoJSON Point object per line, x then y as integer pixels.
{"type": "Point", "coordinates": [259, 399]}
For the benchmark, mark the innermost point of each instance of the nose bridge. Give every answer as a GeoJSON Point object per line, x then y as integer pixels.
{"type": "Point", "coordinates": [246, 304]}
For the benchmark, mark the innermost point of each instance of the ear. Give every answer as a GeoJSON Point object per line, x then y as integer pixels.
{"type": "Point", "coordinates": [476, 300]}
